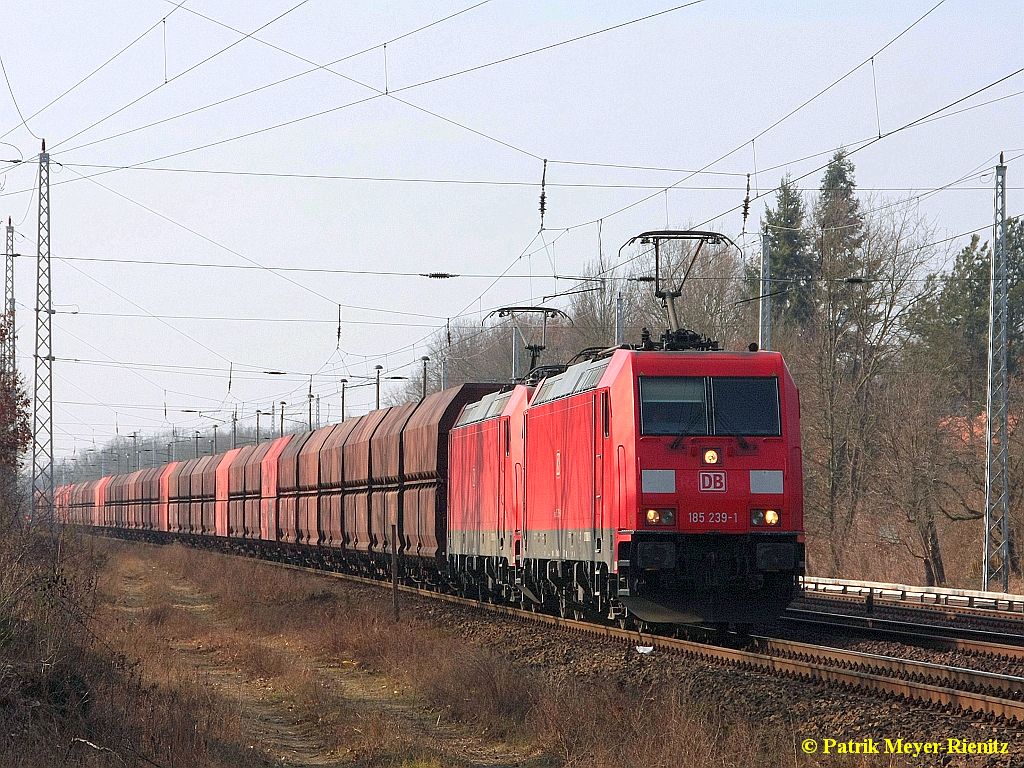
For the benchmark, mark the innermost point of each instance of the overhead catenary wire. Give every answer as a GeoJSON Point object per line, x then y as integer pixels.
{"type": "Point", "coordinates": [211, 241]}
{"type": "Point", "coordinates": [242, 319]}
{"type": "Point", "coordinates": [659, 189]}
{"type": "Point", "coordinates": [778, 121]}
{"type": "Point", "coordinates": [314, 270]}
{"type": "Point", "coordinates": [378, 93]}
{"type": "Point", "coordinates": [549, 47]}
{"type": "Point", "coordinates": [17, 107]}
{"type": "Point", "coordinates": [727, 154]}
{"type": "Point", "coordinates": [905, 126]}
{"type": "Point", "coordinates": [317, 67]}
{"type": "Point", "coordinates": [871, 142]}
{"type": "Point", "coordinates": [471, 182]}
{"type": "Point", "coordinates": [178, 76]}
{"type": "Point", "coordinates": [95, 71]}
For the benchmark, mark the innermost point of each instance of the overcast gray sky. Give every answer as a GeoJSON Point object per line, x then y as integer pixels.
{"type": "Point", "coordinates": [676, 91]}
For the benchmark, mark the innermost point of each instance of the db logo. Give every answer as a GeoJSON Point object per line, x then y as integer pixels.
{"type": "Point", "coordinates": [712, 482]}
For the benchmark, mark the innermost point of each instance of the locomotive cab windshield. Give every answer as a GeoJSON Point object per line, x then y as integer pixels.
{"type": "Point", "coordinates": [686, 406]}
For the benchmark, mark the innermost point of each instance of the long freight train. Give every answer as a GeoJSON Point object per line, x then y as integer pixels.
{"type": "Point", "coordinates": [646, 482]}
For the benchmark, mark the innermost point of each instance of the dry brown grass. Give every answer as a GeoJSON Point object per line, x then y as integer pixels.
{"type": "Point", "coordinates": [593, 723]}
{"type": "Point", "coordinates": [247, 623]}
{"type": "Point", "coordinates": [72, 690]}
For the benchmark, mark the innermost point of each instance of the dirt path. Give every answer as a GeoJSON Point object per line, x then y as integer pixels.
{"type": "Point", "coordinates": [286, 716]}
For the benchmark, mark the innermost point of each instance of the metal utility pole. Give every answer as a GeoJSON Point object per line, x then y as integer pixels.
{"type": "Point", "coordinates": [764, 333]}
{"type": "Point", "coordinates": [343, 383]}
{"type": "Point", "coordinates": [318, 411]}
{"type": "Point", "coordinates": [424, 360]}
{"type": "Point", "coordinates": [9, 348]}
{"type": "Point", "coordinates": [444, 373]}
{"type": "Point", "coordinates": [515, 352]}
{"type": "Point", "coordinates": [135, 449]}
{"type": "Point", "coordinates": [309, 417]}
{"type": "Point", "coordinates": [620, 319]}
{"type": "Point", "coordinates": [234, 429]}
{"type": "Point", "coordinates": [280, 432]}
{"type": "Point", "coordinates": [42, 411]}
{"type": "Point", "coordinates": [197, 444]}
{"type": "Point", "coordinates": [8, 363]}
{"type": "Point", "coordinates": [215, 437]}
{"type": "Point", "coordinates": [258, 414]}
{"type": "Point", "coordinates": [379, 368]}
{"type": "Point", "coordinates": [996, 565]}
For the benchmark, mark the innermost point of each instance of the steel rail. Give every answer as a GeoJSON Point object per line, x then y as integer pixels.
{"type": "Point", "coordinates": [984, 602]}
{"type": "Point", "coordinates": [872, 603]}
{"type": "Point", "coordinates": [923, 671]}
{"type": "Point", "coordinates": [998, 644]}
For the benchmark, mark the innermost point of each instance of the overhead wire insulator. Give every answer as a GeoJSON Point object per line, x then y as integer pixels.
{"type": "Point", "coordinates": [338, 345]}
{"type": "Point", "coordinates": [438, 275]}
{"type": "Point", "coordinates": [746, 204]}
{"type": "Point", "coordinates": [543, 193]}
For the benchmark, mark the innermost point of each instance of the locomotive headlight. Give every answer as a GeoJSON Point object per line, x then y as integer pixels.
{"type": "Point", "coordinates": [660, 516]}
{"type": "Point", "coordinates": [710, 456]}
{"type": "Point", "coordinates": [757, 517]}
{"type": "Point", "coordinates": [771, 517]}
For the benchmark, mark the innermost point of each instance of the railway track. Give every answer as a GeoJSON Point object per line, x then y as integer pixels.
{"type": "Point", "coordinates": [940, 603]}
{"type": "Point", "coordinates": [973, 691]}
{"type": "Point", "coordinates": [1000, 645]}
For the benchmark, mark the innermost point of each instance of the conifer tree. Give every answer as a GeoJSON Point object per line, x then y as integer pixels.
{"type": "Point", "coordinates": [793, 269]}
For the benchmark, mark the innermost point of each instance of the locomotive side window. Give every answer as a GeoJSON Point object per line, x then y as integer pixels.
{"type": "Point", "coordinates": [673, 406]}
{"type": "Point", "coordinates": [745, 406]}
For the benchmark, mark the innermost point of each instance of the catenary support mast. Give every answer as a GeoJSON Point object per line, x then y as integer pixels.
{"type": "Point", "coordinates": [9, 342]}
{"type": "Point", "coordinates": [42, 413]}
{"type": "Point", "coordinates": [996, 566]}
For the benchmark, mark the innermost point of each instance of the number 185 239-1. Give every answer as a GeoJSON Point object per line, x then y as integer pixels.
{"type": "Point", "coordinates": [713, 518]}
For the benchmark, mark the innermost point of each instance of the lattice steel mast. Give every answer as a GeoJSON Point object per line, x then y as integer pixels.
{"type": "Point", "coordinates": [42, 414]}
{"type": "Point", "coordinates": [9, 346]}
{"type": "Point", "coordinates": [996, 566]}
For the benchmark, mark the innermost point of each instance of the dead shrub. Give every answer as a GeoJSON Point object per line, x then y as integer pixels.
{"type": "Point", "coordinates": [259, 660]}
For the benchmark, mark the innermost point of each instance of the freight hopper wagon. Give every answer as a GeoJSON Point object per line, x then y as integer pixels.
{"type": "Point", "coordinates": [344, 496]}
{"type": "Point", "coordinates": [666, 484]}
